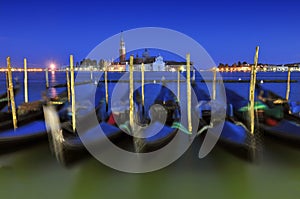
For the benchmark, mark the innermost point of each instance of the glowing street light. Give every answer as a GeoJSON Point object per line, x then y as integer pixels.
{"type": "Point", "coordinates": [52, 67]}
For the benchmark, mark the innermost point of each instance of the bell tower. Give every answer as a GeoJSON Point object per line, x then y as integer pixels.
{"type": "Point", "coordinates": [122, 50]}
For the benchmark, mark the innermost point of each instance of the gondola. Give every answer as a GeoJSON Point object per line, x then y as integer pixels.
{"type": "Point", "coordinates": [23, 116]}
{"type": "Point", "coordinates": [68, 146]}
{"type": "Point", "coordinates": [31, 111]}
{"type": "Point", "coordinates": [31, 127]}
{"type": "Point", "coordinates": [31, 130]}
{"type": "Point", "coordinates": [290, 110]}
{"type": "Point", "coordinates": [25, 135]}
{"type": "Point", "coordinates": [271, 121]}
{"type": "Point", "coordinates": [235, 136]}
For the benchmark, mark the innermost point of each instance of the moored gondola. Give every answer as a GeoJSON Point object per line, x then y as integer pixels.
{"type": "Point", "coordinates": [290, 110]}
{"type": "Point", "coordinates": [31, 111]}
{"type": "Point", "coordinates": [69, 146]}
{"type": "Point", "coordinates": [30, 129]}
{"type": "Point", "coordinates": [270, 120]}
{"type": "Point", "coordinates": [234, 136]}
{"type": "Point", "coordinates": [25, 135]}
{"type": "Point", "coordinates": [161, 112]}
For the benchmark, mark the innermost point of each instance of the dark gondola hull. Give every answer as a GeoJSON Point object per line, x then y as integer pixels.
{"type": "Point", "coordinates": [157, 141]}
{"type": "Point", "coordinates": [69, 148]}
{"type": "Point", "coordinates": [26, 135]}
{"type": "Point", "coordinates": [7, 122]}
{"type": "Point", "coordinates": [285, 131]}
{"type": "Point", "coordinates": [27, 116]}
{"type": "Point", "coordinates": [238, 141]}
{"type": "Point", "coordinates": [31, 130]}
{"type": "Point", "coordinates": [234, 138]}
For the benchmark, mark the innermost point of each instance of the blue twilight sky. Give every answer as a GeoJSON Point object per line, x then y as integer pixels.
{"type": "Point", "coordinates": [45, 31]}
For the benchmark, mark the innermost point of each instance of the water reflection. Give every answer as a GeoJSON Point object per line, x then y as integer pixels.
{"type": "Point", "coordinates": [52, 91]}
{"type": "Point", "coordinates": [53, 77]}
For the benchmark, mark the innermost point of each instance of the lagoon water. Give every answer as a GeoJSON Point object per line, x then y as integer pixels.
{"type": "Point", "coordinates": [34, 172]}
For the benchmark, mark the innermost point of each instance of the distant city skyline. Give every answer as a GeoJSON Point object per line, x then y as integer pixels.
{"type": "Point", "coordinates": [49, 31]}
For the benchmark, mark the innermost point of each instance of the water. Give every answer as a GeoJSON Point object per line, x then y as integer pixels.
{"type": "Point", "coordinates": [34, 172]}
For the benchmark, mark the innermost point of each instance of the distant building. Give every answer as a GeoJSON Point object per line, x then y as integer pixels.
{"type": "Point", "coordinates": [151, 63]}
{"type": "Point", "coordinates": [159, 64]}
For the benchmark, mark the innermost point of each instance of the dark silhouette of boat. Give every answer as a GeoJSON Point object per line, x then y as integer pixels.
{"type": "Point", "coordinates": [290, 110]}
{"type": "Point", "coordinates": [271, 121]}
{"type": "Point", "coordinates": [160, 109]}
{"type": "Point", "coordinates": [235, 136]}
{"type": "Point", "coordinates": [68, 146]}
{"type": "Point", "coordinates": [31, 126]}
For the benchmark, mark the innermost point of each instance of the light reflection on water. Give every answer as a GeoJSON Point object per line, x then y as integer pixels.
{"type": "Point", "coordinates": [52, 92]}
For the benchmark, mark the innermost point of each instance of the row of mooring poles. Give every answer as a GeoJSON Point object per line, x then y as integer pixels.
{"type": "Point", "coordinates": [188, 70]}
{"type": "Point", "coordinates": [10, 93]}
{"type": "Point", "coordinates": [189, 115]}
{"type": "Point", "coordinates": [10, 90]}
{"type": "Point", "coordinates": [71, 89]}
{"type": "Point", "coordinates": [131, 88]}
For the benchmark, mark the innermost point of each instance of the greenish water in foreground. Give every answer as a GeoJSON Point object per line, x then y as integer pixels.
{"type": "Point", "coordinates": [34, 173]}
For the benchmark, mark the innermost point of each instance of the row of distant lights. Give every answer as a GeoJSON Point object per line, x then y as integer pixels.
{"type": "Point", "coordinates": [238, 69]}
{"type": "Point", "coordinates": [52, 67]}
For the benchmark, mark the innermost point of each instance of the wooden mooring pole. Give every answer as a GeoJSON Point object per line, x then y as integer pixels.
{"type": "Point", "coordinates": [252, 92]}
{"type": "Point", "coordinates": [288, 86]}
{"type": "Point", "coordinates": [11, 93]}
{"type": "Point", "coordinates": [131, 104]}
{"type": "Point", "coordinates": [73, 93]}
{"type": "Point", "coordinates": [25, 81]}
{"type": "Point", "coordinates": [189, 97]}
